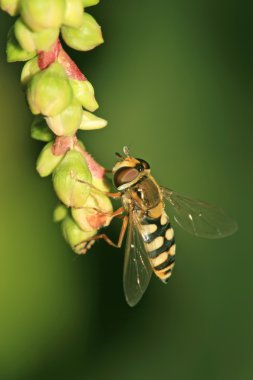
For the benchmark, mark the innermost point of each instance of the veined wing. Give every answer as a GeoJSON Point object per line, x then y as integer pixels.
{"type": "Point", "coordinates": [137, 268]}
{"type": "Point", "coordinates": [200, 218]}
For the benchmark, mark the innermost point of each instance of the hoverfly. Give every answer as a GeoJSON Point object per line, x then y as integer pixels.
{"type": "Point", "coordinates": [150, 243]}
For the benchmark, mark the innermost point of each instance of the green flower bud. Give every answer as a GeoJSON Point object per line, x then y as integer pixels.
{"type": "Point", "coordinates": [95, 214]}
{"type": "Point", "coordinates": [89, 3]}
{"type": "Point", "coordinates": [84, 92]}
{"type": "Point", "coordinates": [47, 161]}
{"type": "Point", "coordinates": [42, 14]}
{"type": "Point", "coordinates": [29, 70]}
{"type": "Point", "coordinates": [74, 235]}
{"type": "Point", "coordinates": [49, 91]}
{"type": "Point", "coordinates": [90, 121]}
{"type": "Point", "coordinates": [80, 216]}
{"type": "Point", "coordinates": [14, 51]}
{"type": "Point", "coordinates": [73, 13]}
{"type": "Point", "coordinates": [24, 36]}
{"type": "Point", "coordinates": [10, 6]}
{"type": "Point", "coordinates": [101, 184]}
{"type": "Point", "coordinates": [31, 41]}
{"type": "Point", "coordinates": [67, 177]}
{"type": "Point", "coordinates": [60, 213]}
{"type": "Point", "coordinates": [68, 121]}
{"type": "Point", "coordinates": [40, 130]}
{"type": "Point", "coordinates": [44, 40]}
{"type": "Point", "coordinates": [84, 38]}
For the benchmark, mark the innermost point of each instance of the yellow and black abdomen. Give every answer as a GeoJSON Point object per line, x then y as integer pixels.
{"type": "Point", "coordinates": [158, 236]}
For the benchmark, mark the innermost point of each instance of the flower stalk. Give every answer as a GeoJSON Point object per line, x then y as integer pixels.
{"type": "Point", "coordinates": [63, 102]}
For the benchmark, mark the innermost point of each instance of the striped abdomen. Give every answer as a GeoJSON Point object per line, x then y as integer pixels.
{"type": "Point", "coordinates": [159, 241]}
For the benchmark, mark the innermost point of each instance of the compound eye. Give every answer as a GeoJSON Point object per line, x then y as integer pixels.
{"type": "Point", "coordinates": [144, 163]}
{"type": "Point", "coordinates": [125, 175]}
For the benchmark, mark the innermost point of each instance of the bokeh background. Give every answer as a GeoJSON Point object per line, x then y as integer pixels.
{"type": "Point", "coordinates": [174, 80]}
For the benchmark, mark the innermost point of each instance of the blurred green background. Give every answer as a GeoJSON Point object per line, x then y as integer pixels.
{"type": "Point", "coordinates": [174, 80]}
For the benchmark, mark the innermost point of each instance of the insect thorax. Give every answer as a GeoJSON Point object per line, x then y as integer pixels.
{"type": "Point", "coordinates": [145, 195]}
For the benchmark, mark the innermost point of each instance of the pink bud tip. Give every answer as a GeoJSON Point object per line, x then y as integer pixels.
{"type": "Point", "coordinates": [97, 220]}
{"type": "Point", "coordinates": [96, 170]}
{"type": "Point", "coordinates": [69, 66]}
{"type": "Point", "coordinates": [62, 144]}
{"type": "Point", "coordinates": [45, 58]}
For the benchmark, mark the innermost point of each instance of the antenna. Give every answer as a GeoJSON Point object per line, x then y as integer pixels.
{"type": "Point", "coordinates": [118, 155]}
{"type": "Point", "coordinates": [126, 150]}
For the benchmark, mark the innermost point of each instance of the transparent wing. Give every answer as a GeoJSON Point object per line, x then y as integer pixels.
{"type": "Point", "coordinates": [200, 218]}
{"type": "Point", "coordinates": [137, 268]}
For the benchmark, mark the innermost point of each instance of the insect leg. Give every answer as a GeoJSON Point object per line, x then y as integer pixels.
{"type": "Point", "coordinates": [116, 213]}
{"type": "Point", "coordinates": [123, 230]}
{"type": "Point", "coordinates": [106, 238]}
{"type": "Point", "coordinates": [112, 195]}
{"type": "Point", "coordinates": [121, 235]}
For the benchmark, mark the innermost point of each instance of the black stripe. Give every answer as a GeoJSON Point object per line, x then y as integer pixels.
{"type": "Point", "coordinates": [147, 220]}
{"type": "Point", "coordinates": [165, 247]}
{"type": "Point", "coordinates": [166, 263]}
{"type": "Point", "coordinates": [167, 271]}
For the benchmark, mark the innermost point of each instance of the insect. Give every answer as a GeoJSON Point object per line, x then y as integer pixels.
{"type": "Point", "coordinates": [150, 243]}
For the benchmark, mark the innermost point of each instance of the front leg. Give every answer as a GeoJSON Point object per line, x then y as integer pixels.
{"type": "Point", "coordinates": [89, 242]}
{"type": "Point", "coordinates": [111, 195]}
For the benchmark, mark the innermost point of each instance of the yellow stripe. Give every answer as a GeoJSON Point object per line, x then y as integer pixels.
{"type": "Point", "coordinates": [148, 229]}
{"type": "Point", "coordinates": [161, 272]}
{"type": "Point", "coordinates": [160, 259]}
{"type": "Point", "coordinates": [155, 244]}
{"type": "Point", "coordinates": [169, 234]}
{"type": "Point", "coordinates": [172, 250]}
{"type": "Point", "coordinates": [164, 219]}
